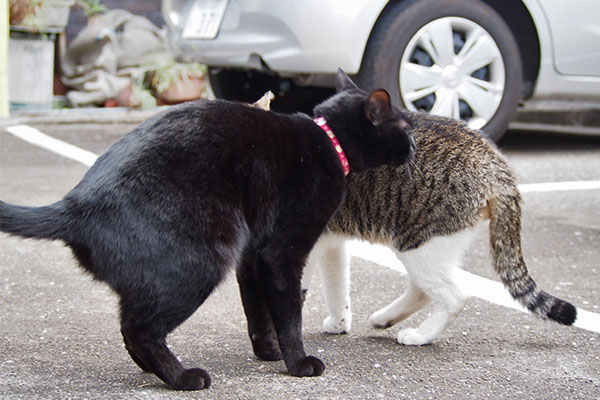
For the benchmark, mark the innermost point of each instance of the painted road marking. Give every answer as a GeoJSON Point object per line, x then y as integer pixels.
{"type": "Point", "coordinates": [473, 285]}
{"type": "Point", "coordinates": [559, 186]}
{"type": "Point", "coordinates": [40, 139]}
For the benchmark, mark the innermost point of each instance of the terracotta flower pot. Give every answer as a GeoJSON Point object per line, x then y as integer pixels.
{"type": "Point", "coordinates": [19, 9]}
{"type": "Point", "coordinates": [180, 91]}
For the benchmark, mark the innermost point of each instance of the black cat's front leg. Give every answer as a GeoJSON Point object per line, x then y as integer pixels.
{"type": "Point", "coordinates": [281, 271]}
{"type": "Point", "coordinates": [284, 298]}
{"type": "Point", "coordinates": [260, 326]}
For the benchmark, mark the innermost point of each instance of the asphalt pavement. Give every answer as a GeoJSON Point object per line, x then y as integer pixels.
{"type": "Point", "coordinates": [59, 332]}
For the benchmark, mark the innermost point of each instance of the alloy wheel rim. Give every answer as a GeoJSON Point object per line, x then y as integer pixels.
{"type": "Point", "coordinates": [452, 67]}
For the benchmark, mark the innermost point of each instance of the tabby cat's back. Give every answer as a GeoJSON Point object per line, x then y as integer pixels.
{"type": "Point", "coordinates": [441, 191]}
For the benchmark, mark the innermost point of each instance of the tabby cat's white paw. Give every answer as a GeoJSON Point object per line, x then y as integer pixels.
{"type": "Point", "coordinates": [411, 337]}
{"type": "Point", "coordinates": [337, 326]}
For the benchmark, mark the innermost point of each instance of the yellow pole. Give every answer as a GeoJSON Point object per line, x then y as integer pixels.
{"type": "Point", "coordinates": [4, 108]}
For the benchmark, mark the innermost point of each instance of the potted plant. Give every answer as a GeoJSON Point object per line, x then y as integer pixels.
{"type": "Point", "coordinates": [174, 82]}
{"type": "Point", "coordinates": [34, 25]}
{"type": "Point", "coordinates": [19, 9]}
{"type": "Point", "coordinates": [40, 14]}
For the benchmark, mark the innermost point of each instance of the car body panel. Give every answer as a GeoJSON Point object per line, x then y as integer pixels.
{"type": "Point", "coordinates": [575, 29]}
{"type": "Point", "coordinates": [550, 82]}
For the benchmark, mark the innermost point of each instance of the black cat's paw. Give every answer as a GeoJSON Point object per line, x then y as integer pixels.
{"type": "Point", "coordinates": [308, 366]}
{"type": "Point", "coordinates": [193, 379]}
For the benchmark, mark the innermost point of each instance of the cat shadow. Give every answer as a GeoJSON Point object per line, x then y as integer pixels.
{"type": "Point", "coordinates": [223, 369]}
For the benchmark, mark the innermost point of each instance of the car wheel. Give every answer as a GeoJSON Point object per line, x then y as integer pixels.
{"type": "Point", "coordinates": [248, 86]}
{"type": "Point", "coordinates": [454, 58]}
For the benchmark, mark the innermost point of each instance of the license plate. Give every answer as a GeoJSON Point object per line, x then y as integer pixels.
{"type": "Point", "coordinates": [204, 19]}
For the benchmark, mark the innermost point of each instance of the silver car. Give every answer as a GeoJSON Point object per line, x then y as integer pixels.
{"type": "Point", "coordinates": [476, 60]}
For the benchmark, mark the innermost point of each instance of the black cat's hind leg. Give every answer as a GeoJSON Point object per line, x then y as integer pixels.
{"type": "Point", "coordinates": [149, 350]}
{"type": "Point", "coordinates": [145, 325]}
{"type": "Point", "coordinates": [260, 325]}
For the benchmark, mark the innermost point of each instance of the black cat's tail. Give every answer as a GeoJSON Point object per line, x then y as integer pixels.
{"type": "Point", "coordinates": [505, 240]}
{"type": "Point", "coordinates": [33, 222]}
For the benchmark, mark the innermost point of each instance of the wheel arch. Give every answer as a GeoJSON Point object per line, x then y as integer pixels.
{"type": "Point", "coordinates": [519, 21]}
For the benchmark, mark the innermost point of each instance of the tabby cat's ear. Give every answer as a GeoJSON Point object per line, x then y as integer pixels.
{"type": "Point", "coordinates": [343, 81]}
{"type": "Point", "coordinates": [379, 107]}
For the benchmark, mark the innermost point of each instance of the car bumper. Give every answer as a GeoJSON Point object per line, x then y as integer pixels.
{"type": "Point", "coordinates": [286, 37]}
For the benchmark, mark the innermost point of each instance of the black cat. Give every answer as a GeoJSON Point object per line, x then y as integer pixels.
{"type": "Point", "coordinates": [209, 186]}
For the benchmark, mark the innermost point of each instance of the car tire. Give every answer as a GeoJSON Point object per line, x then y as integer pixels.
{"type": "Point", "coordinates": [455, 58]}
{"type": "Point", "coordinates": [248, 86]}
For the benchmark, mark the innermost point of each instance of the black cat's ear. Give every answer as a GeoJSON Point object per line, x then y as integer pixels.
{"type": "Point", "coordinates": [378, 107]}
{"type": "Point", "coordinates": [343, 81]}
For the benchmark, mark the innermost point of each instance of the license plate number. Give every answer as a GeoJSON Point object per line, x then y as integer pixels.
{"type": "Point", "coordinates": [205, 19]}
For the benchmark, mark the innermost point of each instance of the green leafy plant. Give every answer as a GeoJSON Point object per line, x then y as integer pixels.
{"type": "Point", "coordinates": [171, 72]}
{"type": "Point", "coordinates": [91, 7]}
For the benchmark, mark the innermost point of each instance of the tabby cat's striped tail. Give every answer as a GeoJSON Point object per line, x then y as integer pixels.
{"type": "Point", "coordinates": [507, 256]}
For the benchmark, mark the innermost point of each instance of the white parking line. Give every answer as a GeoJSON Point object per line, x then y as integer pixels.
{"type": "Point", "coordinates": [473, 285]}
{"type": "Point", "coordinates": [40, 139]}
{"type": "Point", "coordinates": [559, 186]}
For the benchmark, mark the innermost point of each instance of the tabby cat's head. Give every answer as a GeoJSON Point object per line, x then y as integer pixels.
{"type": "Point", "coordinates": [373, 132]}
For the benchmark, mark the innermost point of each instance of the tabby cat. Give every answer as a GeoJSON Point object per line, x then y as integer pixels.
{"type": "Point", "coordinates": [208, 186]}
{"type": "Point", "coordinates": [427, 213]}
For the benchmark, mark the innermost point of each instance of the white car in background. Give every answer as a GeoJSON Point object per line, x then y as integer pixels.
{"type": "Point", "coordinates": [476, 60]}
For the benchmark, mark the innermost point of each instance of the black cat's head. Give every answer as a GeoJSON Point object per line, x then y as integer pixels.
{"type": "Point", "coordinates": [371, 130]}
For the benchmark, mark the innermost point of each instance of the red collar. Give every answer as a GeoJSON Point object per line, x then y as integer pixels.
{"type": "Point", "coordinates": [322, 122]}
